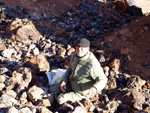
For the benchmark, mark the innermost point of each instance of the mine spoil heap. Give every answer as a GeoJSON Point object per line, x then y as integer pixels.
{"type": "Point", "coordinates": [32, 44]}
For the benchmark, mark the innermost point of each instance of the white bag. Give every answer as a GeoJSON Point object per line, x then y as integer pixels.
{"type": "Point", "coordinates": [55, 76]}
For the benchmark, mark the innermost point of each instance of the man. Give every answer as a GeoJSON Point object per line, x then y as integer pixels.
{"type": "Point", "coordinates": [84, 77]}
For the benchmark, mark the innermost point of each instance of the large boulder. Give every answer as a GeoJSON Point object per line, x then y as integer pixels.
{"type": "Point", "coordinates": [23, 30]}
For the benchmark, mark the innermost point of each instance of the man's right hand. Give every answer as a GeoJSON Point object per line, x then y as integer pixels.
{"type": "Point", "coordinates": [63, 86]}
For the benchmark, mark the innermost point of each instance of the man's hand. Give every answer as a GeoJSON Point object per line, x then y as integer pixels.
{"type": "Point", "coordinates": [92, 92]}
{"type": "Point", "coordinates": [63, 86]}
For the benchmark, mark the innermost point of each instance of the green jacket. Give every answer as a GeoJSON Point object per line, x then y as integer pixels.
{"type": "Point", "coordinates": [84, 73]}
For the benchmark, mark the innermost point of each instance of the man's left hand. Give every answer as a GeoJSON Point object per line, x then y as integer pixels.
{"type": "Point", "coordinates": [92, 92]}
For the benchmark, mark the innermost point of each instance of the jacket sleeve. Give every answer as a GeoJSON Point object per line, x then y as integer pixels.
{"type": "Point", "coordinates": [67, 74]}
{"type": "Point", "coordinates": [69, 70]}
{"type": "Point", "coordinates": [98, 75]}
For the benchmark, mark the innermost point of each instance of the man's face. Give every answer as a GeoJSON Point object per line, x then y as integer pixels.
{"type": "Point", "coordinates": [81, 51]}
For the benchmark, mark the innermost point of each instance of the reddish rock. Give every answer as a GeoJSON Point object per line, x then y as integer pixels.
{"type": "Point", "coordinates": [38, 64]}
{"type": "Point", "coordinates": [115, 65]}
{"type": "Point", "coordinates": [124, 51]}
{"type": "Point", "coordinates": [112, 83]}
{"type": "Point", "coordinates": [23, 30]}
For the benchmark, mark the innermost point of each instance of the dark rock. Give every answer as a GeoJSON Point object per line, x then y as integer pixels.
{"type": "Point", "coordinates": [134, 11]}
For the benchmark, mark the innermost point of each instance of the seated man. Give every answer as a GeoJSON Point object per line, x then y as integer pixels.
{"type": "Point", "coordinates": [84, 77]}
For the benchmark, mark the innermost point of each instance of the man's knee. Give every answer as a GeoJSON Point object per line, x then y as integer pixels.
{"type": "Point", "coordinates": [61, 99]}
{"type": "Point", "coordinates": [69, 97]}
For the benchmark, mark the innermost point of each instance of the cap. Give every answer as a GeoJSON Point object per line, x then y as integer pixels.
{"type": "Point", "coordinates": [83, 42]}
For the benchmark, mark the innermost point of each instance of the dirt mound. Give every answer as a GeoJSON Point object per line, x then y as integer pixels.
{"type": "Point", "coordinates": [46, 7]}
{"type": "Point", "coordinates": [134, 39]}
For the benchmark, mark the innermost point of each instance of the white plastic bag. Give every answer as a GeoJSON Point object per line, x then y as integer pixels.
{"type": "Point", "coordinates": [55, 76]}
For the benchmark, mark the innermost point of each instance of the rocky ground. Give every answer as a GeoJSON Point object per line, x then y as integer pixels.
{"type": "Point", "coordinates": [37, 36]}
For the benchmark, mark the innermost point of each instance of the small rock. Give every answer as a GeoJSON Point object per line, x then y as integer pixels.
{"type": "Point", "coordinates": [79, 109]}
{"type": "Point", "coordinates": [44, 102]}
{"type": "Point", "coordinates": [135, 82]}
{"type": "Point", "coordinates": [112, 106]}
{"type": "Point", "coordinates": [2, 78]}
{"type": "Point", "coordinates": [138, 105]}
{"type": "Point", "coordinates": [112, 83]}
{"type": "Point", "coordinates": [10, 93]}
{"type": "Point", "coordinates": [44, 110]}
{"type": "Point", "coordinates": [25, 110]}
{"type": "Point", "coordinates": [35, 51]}
{"type": "Point", "coordinates": [2, 46]}
{"type": "Point", "coordinates": [22, 77]}
{"type": "Point", "coordinates": [70, 51]}
{"type": "Point", "coordinates": [7, 101]}
{"type": "Point", "coordinates": [115, 64]}
{"type": "Point", "coordinates": [88, 105]}
{"type": "Point", "coordinates": [2, 85]}
{"type": "Point", "coordinates": [124, 51]}
{"type": "Point", "coordinates": [106, 70]}
{"type": "Point", "coordinates": [35, 93]}
{"type": "Point", "coordinates": [102, 58]}
{"type": "Point", "coordinates": [7, 53]}
{"type": "Point", "coordinates": [23, 98]}
{"type": "Point", "coordinates": [65, 107]}
{"type": "Point", "coordinates": [38, 64]}
{"type": "Point", "coordinates": [12, 110]}
{"type": "Point", "coordinates": [52, 37]}
{"type": "Point", "coordinates": [32, 46]}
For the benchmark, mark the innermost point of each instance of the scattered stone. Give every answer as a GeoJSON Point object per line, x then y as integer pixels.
{"type": "Point", "coordinates": [22, 77]}
{"type": "Point", "coordinates": [35, 93]}
{"type": "Point", "coordinates": [124, 51]}
{"type": "Point", "coordinates": [2, 46]}
{"type": "Point", "coordinates": [135, 82]}
{"type": "Point", "coordinates": [25, 110]}
{"type": "Point", "coordinates": [10, 93]}
{"type": "Point", "coordinates": [79, 109]}
{"type": "Point", "coordinates": [70, 51]}
{"type": "Point", "coordinates": [88, 105]}
{"type": "Point", "coordinates": [112, 106]}
{"type": "Point", "coordinates": [112, 83]}
{"type": "Point", "coordinates": [106, 70]}
{"type": "Point", "coordinates": [44, 110]}
{"type": "Point", "coordinates": [65, 107]}
{"type": "Point", "coordinates": [12, 110]}
{"type": "Point", "coordinates": [7, 101]}
{"type": "Point", "coordinates": [23, 98]}
{"type": "Point", "coordinates": [35, 51]}
{"type": "Point", "coordinates": [2, 85]}
{"type": "Point", "coordinates": [135, 11]}
{"type": "Point", "coordinates": [2, 78]}
{"type": "Point", "coordinates": [38, 64]}
{"type": "Point", "coordinates": [115, 65]}
{"type": "Point", "coordinates": [7, 53]}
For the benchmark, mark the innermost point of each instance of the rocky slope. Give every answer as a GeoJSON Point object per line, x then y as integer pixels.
{"type": "Point", "coordinates": [38, 36]}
